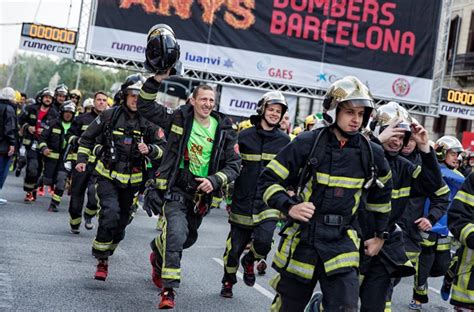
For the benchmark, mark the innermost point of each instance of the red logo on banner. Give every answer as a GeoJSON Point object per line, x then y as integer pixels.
{"type": "Point", "coordinates": [401, 87]}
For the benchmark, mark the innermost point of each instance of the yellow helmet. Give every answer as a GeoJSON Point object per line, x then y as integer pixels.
{"type": "Point", "coordinates": [17, 96]}
{"type": "Point", "coordinates": [110, 101]}
{"type": "Point", "coordinates": [244, 125]}
{"type": "Point", "coordinates": [297, 130]}
{"type": "Point", "coordinates": [76, 93]}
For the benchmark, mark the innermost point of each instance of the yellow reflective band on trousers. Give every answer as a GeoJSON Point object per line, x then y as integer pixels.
{"type": "Point", "coordinates": [53, 155]}
{"type": "Point", "coordinates": [416, 172]}
{"type": "Point", "coordinates": [216, 201]}
{"type": "Point", "coordinates": [381, 208]}
{"type": "Point", "coordinates": [102, 246]}
{"type": "Point", "coordinates": [75, 221]}
{"type": "Point", "coordinates": [443, 190]}
{"type": "Point", "coordinates": [228, 248]}
{"type": "Point", "coordinates": [271, 190]}
{"type": "Point", "coordinates": [278, 169]}
{"type": "Point", "coordinates": [167, 273]}
{"type": "Point", "coordinates": [276, 304]}
{"type": "Point", "coordinates": [465, 232]}
{"type": "Point", "coordinates": [403, 192]}
{"type": "Point", "coordinates": [161, 184]}
{"type": "Point", "coordinates": [344, 260]}
{"type": "Point", "coordinates": [90, 212]}
{"type": "Point", "coordinates": [255, 253]}
{"type": "Point", "coordinates": [56, 197]}
{"type": "Point", "coordinates": [84, 150]}
{"type": "Point", "coordinates": [301, 269]}
{"type": "Point", "coordinates": [338, 181]}
{"type": "Point", "coordinates": [465, 198]}
{"type": "Point", "coordinates": [388, 306]}
{"type": "Point", "coordinates": [147, 96]}
{"type": "Point", "coordinates": [444, 244]}
{"type": "Point", "coordinates": [266, 214]}
{"type": "Point", "coordinates": [460, 291]}
{"type": "Point", "coordinates": [134, 178]}
{"type": "Point", "coordinates": [177, 129]}
{"type": "Point", "coordinates": [222, 176]}
{"type": "Point", "coordinates": [240, 219]}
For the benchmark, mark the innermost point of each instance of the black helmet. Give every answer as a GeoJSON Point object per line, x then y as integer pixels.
{"type": "Point", "coordinates": [68, 106]}
{"type": "Point", "coordinates": [132, 83]}
{"type": "Point", "coordinates": [162, 49]}
{"type": "Point", "coordinates": [42, 93]}
{"type": "Point", "coordinates": [61, 89]}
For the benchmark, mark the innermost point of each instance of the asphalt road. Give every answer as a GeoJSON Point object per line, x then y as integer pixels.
{"type": "Point", "coordinates": [45, 268]}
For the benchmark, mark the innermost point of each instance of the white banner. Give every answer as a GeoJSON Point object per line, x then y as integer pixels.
{"type": "Point", "coordinates": [455, 110]}
{"type": "Point", "coordinates": [243, 102]}
{"type": "Point", "coordinates": [261, 66]}
{"type": "Point", "coordinates": [47, 47]}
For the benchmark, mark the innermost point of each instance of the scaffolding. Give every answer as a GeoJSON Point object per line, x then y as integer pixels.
{"type": "Point", "coordinates": [88, 12]}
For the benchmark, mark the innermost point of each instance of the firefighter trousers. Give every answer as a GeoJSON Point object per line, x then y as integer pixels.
{"type": "Point", "coordinates": [51, 168]}
{"type": "Point", "coordinates": [80, 183]}
{"type": "Point", "coordinates": [340, 291]}
{"type": "Point", "coordinates": [115, 204]}
{"type": "Point", "coordinates": [374, 287]}
{"type": "Point", "coordinates": [59, 186]}
{"type": "Point", "coordinates": [238, 239]}
{"type": "Point", "coordinates": [432, 263]}
{"type": "Point", "coordinates": [34, 167]}
{"type": "Point", "coordinates": [179, 230]}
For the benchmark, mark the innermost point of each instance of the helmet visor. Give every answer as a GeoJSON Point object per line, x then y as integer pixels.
{"type": "Point", "coordinates": [360, 103]}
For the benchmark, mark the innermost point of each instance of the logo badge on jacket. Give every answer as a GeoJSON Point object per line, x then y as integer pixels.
{"type": "Point", "coordinates": [127, 141]}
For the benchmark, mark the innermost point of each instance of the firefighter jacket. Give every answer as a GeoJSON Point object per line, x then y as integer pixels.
{"type": "Point", "coordinates": [79, 125]}
{"type": "Point", "coordinates": [335, 187]}
{"type": "Point", "coordinates": [8, 128]}
{"type": "Point", "coordinates": [53, 137]}
{"type": "Point", "coordinates": [30, 118]}
{"type": "Point", "coordinates": [433, 208]}
{"type": "Point", "coordinates": [119, 133]}
{"type": "Point", "coordinates": [257, 147]}
{"type": "Point", "coordinates": [461, 224]}
{"type": "Point", "coordinates": [409, 180]}
{"type": "Point", "coordinates": [225, 161]}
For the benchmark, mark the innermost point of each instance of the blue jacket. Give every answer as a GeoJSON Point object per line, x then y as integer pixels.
{"type": "Point", "coordinates": [454, 179]}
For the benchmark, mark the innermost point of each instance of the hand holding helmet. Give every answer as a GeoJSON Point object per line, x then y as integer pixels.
{"type": "Point", "coordinates": [420, 135]}
{"type": "Point", "coordinates": [162, 50]}
{"type": "Point", "coordinates": [398, 127]}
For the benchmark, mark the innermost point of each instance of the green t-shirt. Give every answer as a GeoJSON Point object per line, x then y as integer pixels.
{"type": "Point", "coordinates": [66, 126]}
{"type": "Point", "coordinates": [199, 148]}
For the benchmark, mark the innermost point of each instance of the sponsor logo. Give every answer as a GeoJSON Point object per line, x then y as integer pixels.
{"type": "Point", "coordinates": [216, 61]}
{"type": "Point", "coordinates": [243, 104]}
{"type": "Point", "coordinates": [401, 87]}
{"type": "Point", "coordinates": [325, 77]}
{"type": "Point", "coordinates": [264, 65]}
{"type": "Point", "coordinates": [456, 110]}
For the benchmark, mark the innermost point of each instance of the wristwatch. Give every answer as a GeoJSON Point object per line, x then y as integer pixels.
{"type": "Point", "coordinates": [382, 235]}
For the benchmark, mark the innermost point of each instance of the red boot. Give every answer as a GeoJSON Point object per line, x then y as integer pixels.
{"type": "Point", "coordinates": [102, 270]}
{"type": "Point", "coordinates": [167, 299]}
{"type": "Point", "coordinates": [155, 271]}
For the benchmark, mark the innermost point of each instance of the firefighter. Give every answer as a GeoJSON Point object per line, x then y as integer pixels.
{"type": "Point", "coordinates": [32, 123]}
{"type": "Point", "coordinates": [461, 225]}
{"type": "Point", "coordinates": [52, 145]}
{"type": "Point", "coordinates": [285, 123]}
{"type": "Point", "coordinates": [125, 138]}
{"type": "Point", "coordinates": [84, 181]}
{"type": "Point", "coordinates": [257, 145]}
{"type": "Point", "coordinates": [61, 94]}
{"type": "Point", "coordinates": [393, 127]}
{"type": "Point", "coordinates": [332, 168]}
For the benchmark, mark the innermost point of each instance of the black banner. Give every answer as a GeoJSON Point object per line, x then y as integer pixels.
{"type": "Point", "coordinates": [397, 36]}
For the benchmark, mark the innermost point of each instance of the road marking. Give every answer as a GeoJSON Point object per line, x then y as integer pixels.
{"type": "Point", "coordinates": [433, 290]}
{"type": "Point", "coordinates": [257, 287]}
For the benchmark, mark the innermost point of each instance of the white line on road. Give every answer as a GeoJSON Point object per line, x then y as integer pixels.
{"type": "Point", "coordinates": [257, 287]}
{"type": "Point", "coordinates": [433, 290]}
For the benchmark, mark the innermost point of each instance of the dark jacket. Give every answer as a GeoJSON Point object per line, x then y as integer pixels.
{"type": "Point", "coordinates": [30, 118]}
{"type": "Point", "coordinates": [8, 128]}
{"type": "Point", "coordinates": [79, 125]}
{"type": "Point", "coordinates": [335, 187]}
{"type": "Point", "coordinates": [224, 165]}
{"type": "Point", "coordinates": [257, 147]}
{"type": "Point", "coordinates": [53, 138]}
{"type": "Point", "coordinates": [119, 134]}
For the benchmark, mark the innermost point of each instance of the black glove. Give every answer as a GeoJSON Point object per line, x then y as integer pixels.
{"type": "Point", "coordinates": [153, 201]}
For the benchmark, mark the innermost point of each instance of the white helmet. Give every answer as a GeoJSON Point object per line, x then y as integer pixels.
{"type": "Point", "coordinates": [446, 143]}
{"type": "Point", "coordinates": [7, 94]}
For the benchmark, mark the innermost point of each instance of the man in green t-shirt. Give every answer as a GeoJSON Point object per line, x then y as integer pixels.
{"type": "Point", "coordinates": [200, 157]}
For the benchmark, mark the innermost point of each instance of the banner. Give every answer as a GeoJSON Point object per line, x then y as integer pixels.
{"type": "Point", "coordinates": [457, 103]}
{"type": "Point", "coordinates": [389, 45]}
{"type": "Point", "coordinates": [50, 40]}
{"type": "Point", "coordinates": [242, 102]}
